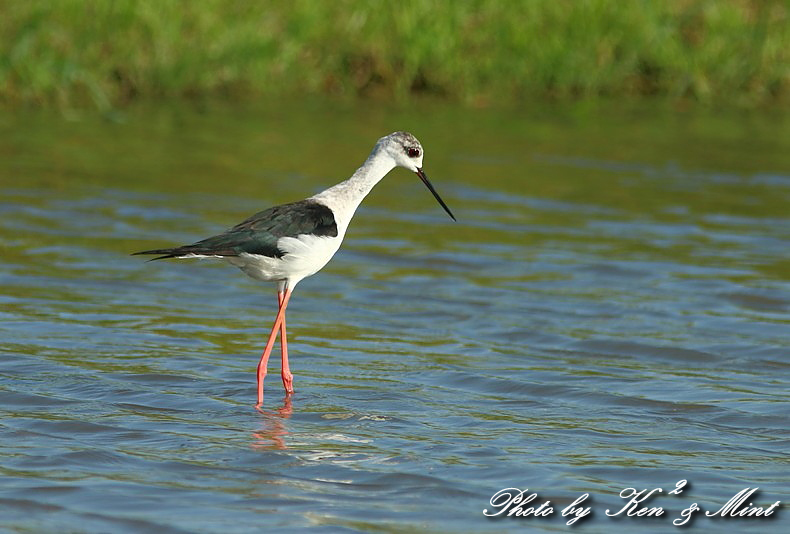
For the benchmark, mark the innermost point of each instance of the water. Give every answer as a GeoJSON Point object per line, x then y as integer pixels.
{"type": "Point", "coordinates": [609, 311]}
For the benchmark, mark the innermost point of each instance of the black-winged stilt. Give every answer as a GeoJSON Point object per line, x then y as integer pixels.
{"type": "Point", "coordinates": [288, 243]}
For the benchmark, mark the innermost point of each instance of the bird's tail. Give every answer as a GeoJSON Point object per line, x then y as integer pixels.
{"type": "Point", "coordinates": [167, 253]}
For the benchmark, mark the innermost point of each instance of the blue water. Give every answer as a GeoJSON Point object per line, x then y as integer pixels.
{"type": "Point", "coordinates": [610, 311]}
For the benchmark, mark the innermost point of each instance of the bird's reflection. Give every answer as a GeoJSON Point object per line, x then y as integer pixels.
{"type": "Point", "coordinates": [273, 431]}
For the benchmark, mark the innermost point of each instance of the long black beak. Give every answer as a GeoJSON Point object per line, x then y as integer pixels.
{"type": "Point", "coordinates": [435, 194]}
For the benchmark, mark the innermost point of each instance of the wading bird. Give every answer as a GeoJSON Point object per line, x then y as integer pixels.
{"type": "Point", "coordinates": [288, 243]}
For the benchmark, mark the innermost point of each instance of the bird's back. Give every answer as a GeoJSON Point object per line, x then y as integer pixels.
{"type": "Point", "coordinates": [261, 233]}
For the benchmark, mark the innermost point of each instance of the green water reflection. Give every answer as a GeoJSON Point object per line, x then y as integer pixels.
{"type": "Point", "coordinates": [701, 194]}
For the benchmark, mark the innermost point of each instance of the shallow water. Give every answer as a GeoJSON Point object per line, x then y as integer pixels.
{"type": "Point", "coordinates": [611, 310]}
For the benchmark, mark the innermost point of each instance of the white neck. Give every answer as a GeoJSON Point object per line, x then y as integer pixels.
{"type": "Point", "coordinates": [345, 197]}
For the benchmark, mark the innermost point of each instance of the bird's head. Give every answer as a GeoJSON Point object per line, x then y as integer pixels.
{"type": "Point", "coordinates": [407, 152]}
{"type": "Point", "coordinates": [404, 148]}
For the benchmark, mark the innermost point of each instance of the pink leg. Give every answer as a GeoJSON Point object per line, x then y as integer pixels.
{"type": "Point", "coordinates": [269, 344]}
{"type": "Point", "coordinates": [288, 378]}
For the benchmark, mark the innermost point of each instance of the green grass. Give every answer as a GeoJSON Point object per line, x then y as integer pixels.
{"type": "Point", "coordinates": [106, 53]}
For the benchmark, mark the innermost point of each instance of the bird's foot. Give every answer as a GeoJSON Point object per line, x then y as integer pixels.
{"type": "Point", "coordinates": [288, 383]}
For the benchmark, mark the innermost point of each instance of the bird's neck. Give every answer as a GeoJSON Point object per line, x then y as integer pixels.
{"type": "Point", "coordinates": [345, 197]}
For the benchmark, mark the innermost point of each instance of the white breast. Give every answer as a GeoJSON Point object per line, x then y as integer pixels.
{"type": "Point", "coordinates": [304, 256]}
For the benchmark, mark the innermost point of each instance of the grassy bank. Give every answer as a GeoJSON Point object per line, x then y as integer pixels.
{"type": "Point", "coordinates": [104, 53]}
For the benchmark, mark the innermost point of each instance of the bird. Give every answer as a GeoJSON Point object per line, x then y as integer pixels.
{"type": "Point", "coordinates": [287, 243]}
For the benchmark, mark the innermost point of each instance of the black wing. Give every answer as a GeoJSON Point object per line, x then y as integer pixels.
{"type": "Point", "coordinates": [259, 233]}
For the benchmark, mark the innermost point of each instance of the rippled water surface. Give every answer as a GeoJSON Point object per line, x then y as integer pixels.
{"type": "Point", "coordinates": [611, 310]}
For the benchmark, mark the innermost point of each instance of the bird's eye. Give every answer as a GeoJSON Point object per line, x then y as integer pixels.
{"type": "Point", "coordinates": [413, 152]}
